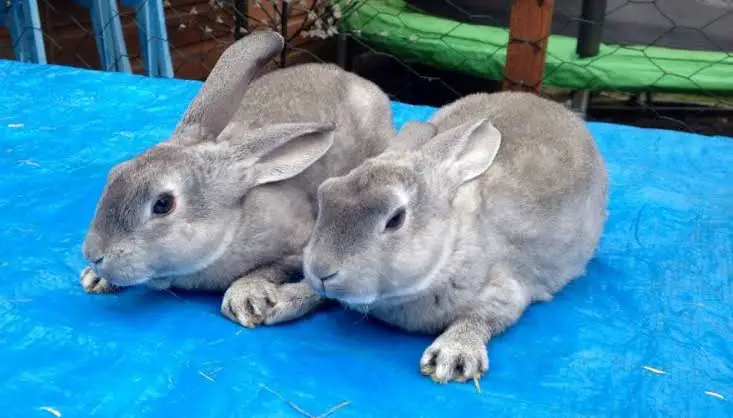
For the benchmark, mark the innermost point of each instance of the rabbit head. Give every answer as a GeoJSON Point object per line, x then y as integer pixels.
{"type": "Point", "coordinates": [385, 229]}
{"type": "Point", "coordinates": [174, 209]}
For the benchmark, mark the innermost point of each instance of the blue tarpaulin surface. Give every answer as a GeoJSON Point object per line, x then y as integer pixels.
{"type": "Point", "coordinates": [647, 332]}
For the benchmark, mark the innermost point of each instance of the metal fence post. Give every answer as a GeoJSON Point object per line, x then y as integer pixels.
{"type": "Point", "coordinates": [590, 33]}
{"type": "Point", "coordinates": [241, 25]}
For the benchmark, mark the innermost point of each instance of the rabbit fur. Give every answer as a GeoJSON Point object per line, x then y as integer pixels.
{"type": "Point", "coordinates": [241, 170]}
{"type": "Point", "coordinates": [498, 202]}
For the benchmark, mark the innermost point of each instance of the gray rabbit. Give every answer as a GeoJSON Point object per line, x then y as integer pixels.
{"type": "Point", "coordinates": [228, 201]}
{"type": "Point", "coordinates": [497, 203]}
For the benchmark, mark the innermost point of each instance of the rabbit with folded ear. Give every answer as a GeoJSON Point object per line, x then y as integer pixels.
{"type": "Point", "coordinates": [227, 203]}
{"type": "Point", "coordinates": [455, 230]}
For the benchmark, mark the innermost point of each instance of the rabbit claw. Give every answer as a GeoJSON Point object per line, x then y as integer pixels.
{"type": "Point", "coordinates": [452, 359]}
{"type": "Point", "coordinates": [252, 302]}
{"type": "Point", "coordinates": [249, 302]}
{"type": "Point", "coordinates": [92, 283]}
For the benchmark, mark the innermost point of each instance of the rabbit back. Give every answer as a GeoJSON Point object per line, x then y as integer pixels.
{"type": "Point", "coordinates": [323, 93]}
{"type": "Point", "coordinates": [546, 151]}
{"type": "Point", "coordinates": [544, 198]}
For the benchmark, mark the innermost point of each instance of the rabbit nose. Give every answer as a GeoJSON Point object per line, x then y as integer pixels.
{"type": "Point", "coordinates": [96, 263]}
{"type": "Point", "coordinates": [328, 276]}
{"type": "Point", "coordinates": [323, 272]}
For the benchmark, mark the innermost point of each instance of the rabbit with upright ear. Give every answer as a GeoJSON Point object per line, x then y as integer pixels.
{"type": "Point", "coordinates": [228, 201]}
{"type": "Point", "coordinates": [499, 201]}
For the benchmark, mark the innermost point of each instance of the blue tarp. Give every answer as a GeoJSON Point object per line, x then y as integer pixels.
{"type": "Point", "coordinates": [648, 331]}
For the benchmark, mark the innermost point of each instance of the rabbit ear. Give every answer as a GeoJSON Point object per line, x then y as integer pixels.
{"type": "Point", "coordinates": [276, 152]}
{"type": "Point", "coordinates": [413, 134]}
{"type": "Point", "coordinates": [223, 91]}
{"type": "Point", "coordinates": [466, 151]}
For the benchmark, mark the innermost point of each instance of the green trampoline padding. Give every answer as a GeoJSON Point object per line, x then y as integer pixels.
{"type": "Point", "coordinates": [393, 27]}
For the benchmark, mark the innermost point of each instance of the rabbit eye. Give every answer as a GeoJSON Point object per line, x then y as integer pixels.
{"type": "Point", "coordinates": [164, 204]}
{"type": "Point", "coordinates": [395, 222]}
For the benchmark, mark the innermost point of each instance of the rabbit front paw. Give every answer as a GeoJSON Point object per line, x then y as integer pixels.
{"type": "Point", "coordinates": [252, 302]}
{"type": "Point", "coordinates": [95, 284]}
{"type": "Point", "coordinates": [249, 301]}
{"type": "Point", "coordinates": [451, 358]}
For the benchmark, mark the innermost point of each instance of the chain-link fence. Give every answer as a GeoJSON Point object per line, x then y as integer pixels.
{"type": "Point", "coordinates": [660, 63]}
